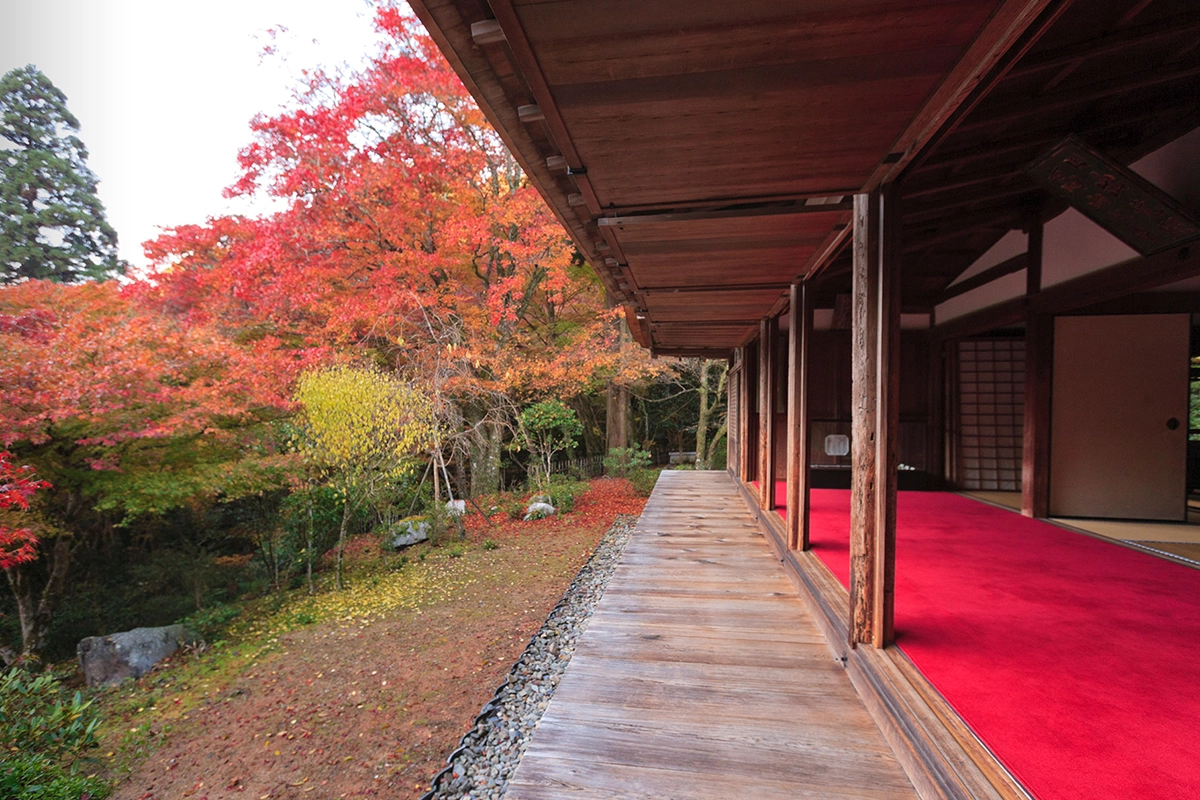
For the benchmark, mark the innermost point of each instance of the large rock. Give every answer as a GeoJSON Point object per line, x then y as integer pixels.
{"type": "Point", "coordinates": [111, 659]}
{"type": "Point", "coordinates": [410, 531]}
{"type": "Point", "coordinates": [538, 510]}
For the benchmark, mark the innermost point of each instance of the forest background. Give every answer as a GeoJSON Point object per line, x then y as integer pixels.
{"type": "Point", "coordinates": [399, 333]}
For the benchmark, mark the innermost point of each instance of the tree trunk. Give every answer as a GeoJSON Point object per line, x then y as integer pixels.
{"type": "Point", "coordinates": [710, 401]}
{"type": "Point", "coordinates": [593, 436]}
{"type": "Point", "coordinates": [485, 459]}
{"type": "Point", "coordinates": [342, 542]}
{"type": "Point", "coordinates": [35, 610]}
{"type": "Point", "coordinates": [308, 550]}
{"type": "Point", "coordinates": [617, 417]}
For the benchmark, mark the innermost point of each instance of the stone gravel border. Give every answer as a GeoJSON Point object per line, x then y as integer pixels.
{"type": "Point", "coordinates": [487, 757]}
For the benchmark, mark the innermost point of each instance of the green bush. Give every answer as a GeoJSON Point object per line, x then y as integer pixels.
{"type": "Point", "coordinates": [563, 493]}
{"type": "Point", "coordinates": [621, 461]}
{"type": "Point", "coordinates": [41, 728]}
{"type": "Point", "coordinates": [211, 622]}
{"type": "Point", "coordinates": [515, 508]}
{"type": "Point", "coordinates": [36, 716]}
{"type": "Point", "coordinates": [643, 480]}
{"type": "Point", "coordinates": [30, 776]}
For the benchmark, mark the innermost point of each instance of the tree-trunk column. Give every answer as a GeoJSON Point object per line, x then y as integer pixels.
{"type": "Point", "coordinates": [875, 373]}
{"type": "Point", "coordinates": [768, 330]}
{"type": "Point", "coordinates": [800, 322]}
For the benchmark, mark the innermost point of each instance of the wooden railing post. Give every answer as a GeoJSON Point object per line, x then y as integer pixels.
{"type": "Point", "coordinates": [875, 373]}
{"type": "Point", "coordinates": [768, 332]}
{"type": "Point", "coordinates": [800, 325]}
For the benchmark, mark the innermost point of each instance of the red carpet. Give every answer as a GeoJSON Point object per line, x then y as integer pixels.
{"type": "Point", "coordinates": [1074, 659]}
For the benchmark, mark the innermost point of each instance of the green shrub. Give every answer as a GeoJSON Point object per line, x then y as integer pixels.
{"type": "Point", "coordinates": [563, 492]}
{"type": "Point", "coordinates": [211, 622]}
{"type": "Point", "coordinates": [515, 508]}
{"type": "Point", "coordinates": [643, 480]}
{"type": "Point", "coordinates": [30, 776]}
{"type": "Point", "coordinates": [36, 716]}
{"type": "Point", "coordinates": [621, 461]}
{"type": "Point", "coordinates": [488, 544]}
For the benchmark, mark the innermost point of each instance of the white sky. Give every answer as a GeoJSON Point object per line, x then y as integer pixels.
{"type": "Point", "coordinates": [164, 90]}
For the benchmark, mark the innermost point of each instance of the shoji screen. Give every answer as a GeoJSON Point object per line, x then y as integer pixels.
{"type": "Point", "coordinates": [991, 379]}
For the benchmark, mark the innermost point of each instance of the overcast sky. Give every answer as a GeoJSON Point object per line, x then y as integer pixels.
{"type": "Point", "coordinates": [164, 90]}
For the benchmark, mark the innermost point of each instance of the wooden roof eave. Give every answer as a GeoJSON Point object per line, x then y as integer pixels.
{"type": "Point", "coordinates": [1007, 34]}
{"type": "Point", "coordinates": [452, 34]}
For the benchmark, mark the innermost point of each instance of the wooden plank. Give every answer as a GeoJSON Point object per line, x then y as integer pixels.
{"type": "Point", "coordinates": [800, 326]}
{"type": "Point", "coordinates": [700, 675]}
{"type": "Point", "coordinates": [874, 417]}
{"type": "Point", "coordinates": [768, 332]}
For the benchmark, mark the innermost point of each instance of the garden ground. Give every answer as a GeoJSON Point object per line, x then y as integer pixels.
{"type": "Point", "coordinates": [371, 699]}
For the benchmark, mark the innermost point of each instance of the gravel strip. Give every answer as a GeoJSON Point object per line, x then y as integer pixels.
{"type": "Point", "coordinates": [488, 755]}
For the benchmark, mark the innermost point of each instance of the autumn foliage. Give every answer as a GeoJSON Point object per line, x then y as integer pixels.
{"type": "Point", "coordinates": [17, 488]}
{"type": "Point", "coordinates": [406, 241]}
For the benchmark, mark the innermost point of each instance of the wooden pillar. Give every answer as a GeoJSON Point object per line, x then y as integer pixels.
{"type": "Point", "coordinates": [875, 390]}
{"type": "Point", "coordinates": [746, 448]}
{"type": "Point", "coordinates": [1039, 375]}
{"type": "Point", "coordinates": [800, 325]}
{"type": "Point", "coordinates": [767, 367]}
{"type": "Point", "coordinates": [935, 433]}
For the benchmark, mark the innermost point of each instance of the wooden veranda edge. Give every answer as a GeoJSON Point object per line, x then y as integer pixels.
{"type": "Point", "coordinates": [938, 752]}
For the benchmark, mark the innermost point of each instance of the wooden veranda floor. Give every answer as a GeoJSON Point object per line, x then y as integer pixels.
{"type": "Point", "coordinates": [702, 675]}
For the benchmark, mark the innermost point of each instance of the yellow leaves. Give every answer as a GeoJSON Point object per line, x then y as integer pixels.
{"type": "Point", "coordinates": [361, 417]}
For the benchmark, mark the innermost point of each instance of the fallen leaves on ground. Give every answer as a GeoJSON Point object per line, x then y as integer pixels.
{"type": "Point", "coordinates": [370, 700]}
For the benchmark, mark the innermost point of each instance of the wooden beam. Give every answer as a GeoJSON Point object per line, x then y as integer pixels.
{"type": "Point", "coordinates": [826, 252]}
{"type": "Point", "coordinates": [800, 328]}
{"type": "Point", "coordinates": [1011, 31]}
{"type": "Point", "coordinates": [529, 68]}
{"type": "Point", "coordinates": [768, 332]}
{"type": "Point", "coordinates": [1135, 275]}
{"type": "Point", "coordinates": [875, 372]}
{"type": "Point", "coordinates": [716, 353]}
{"type": "Point", "coordinates": [1102, 286]}
{"type": "Point", "coordinates": [1001, 315]}
{"type": "Point", "coordinates": [618, 219]}
{"type": "Point", "coordinates": [1113, 196]}
{"type": "Point", "coordinates": [652, 291]}
{"type": "Point", "coordinates": [1014, 264]}
{"type": "Point", "coordinates": [1019, 110]}
{"type": "Point", "coordinates": [1033, 256]}
{"type": "Point", "coordinates": [1177, 26]}
{"type": "Point", "coordinates": [1146, 303]}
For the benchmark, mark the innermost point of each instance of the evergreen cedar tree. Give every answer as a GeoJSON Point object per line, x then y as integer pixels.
{"type": "Point", "coordinates": [52, 224]}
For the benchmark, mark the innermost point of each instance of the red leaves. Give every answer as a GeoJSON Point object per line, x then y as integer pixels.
{"type": "Point", "coordinates": [17, 488]}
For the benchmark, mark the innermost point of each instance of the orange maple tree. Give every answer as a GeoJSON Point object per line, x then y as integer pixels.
{"type": "Point", "coordinates": [410, 234]}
